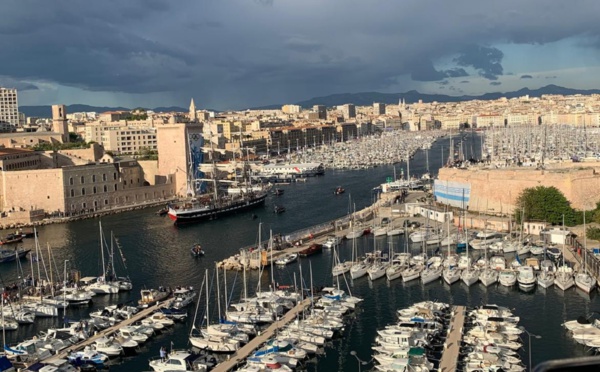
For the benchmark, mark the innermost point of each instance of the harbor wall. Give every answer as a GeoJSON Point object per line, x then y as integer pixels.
{"type": "Point", "coordinates": [496, 190]}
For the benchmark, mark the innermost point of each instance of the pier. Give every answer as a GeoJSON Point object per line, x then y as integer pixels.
{"type": "Point", "coordinates": [452, 345]}
{"type": "Point", "coordinates": [261, 338]}
{"type": "Point", "coordinates": [106, 333]}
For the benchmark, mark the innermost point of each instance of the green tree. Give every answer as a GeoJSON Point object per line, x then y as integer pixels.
{"type": "Point", "coordinates": [544, 204]}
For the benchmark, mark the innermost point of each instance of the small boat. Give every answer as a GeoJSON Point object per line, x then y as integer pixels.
{"type": "Point", "coordinates": [314, 248]}
{"type": "Point", "coordinates": [163, 211]}
{"type": "Point", "coordinates": [339, 190]}
{"type": "Point", "coordinates": [287, 259]}
{"type": "Point", "coordinates": [8, 255]}
{"type": "Point", "coordinates": [197, 250]}
{"type": "Point", "coordinates": [11, 238]}
{"type": "Point", "coordinates": [278, 209]}
{"type": "Point", "coordinates": [332, 241]}
{"type": "Point", "coordinates": [277, 191]}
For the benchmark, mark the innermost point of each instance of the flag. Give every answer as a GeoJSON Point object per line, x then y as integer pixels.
{"type": "Point", "coordinates": [518, 259]}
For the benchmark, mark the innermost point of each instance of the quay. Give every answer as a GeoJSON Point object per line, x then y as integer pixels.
{"type": "Point", "coordinates": [452, 344]}
{"type": "Point", "coordinates": [107, 332]}
{"type": "Point", "coordinates": [261, 338]}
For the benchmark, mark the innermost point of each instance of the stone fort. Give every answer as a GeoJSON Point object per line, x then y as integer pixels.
{"type": "Point", "coordinates": [496, 190]}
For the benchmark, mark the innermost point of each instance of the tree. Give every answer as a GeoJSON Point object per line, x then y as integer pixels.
{"type": "Point", "coordinates": [544, 204]}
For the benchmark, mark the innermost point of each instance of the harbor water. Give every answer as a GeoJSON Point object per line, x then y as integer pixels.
{"type": "Point", "coordinates": [157, 253]}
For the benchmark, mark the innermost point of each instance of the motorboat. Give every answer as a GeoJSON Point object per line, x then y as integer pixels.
{"type": "Point", "coordinates": [183, 297]}
{"type": "Point", "coordinates": [287, 259]}
{"type": "Point", "coordinates": [314, 248]}
{"type": "Point", "coordinates": [332, 241]}
{"type": "Point", "coordinates": [507, 277]}
{"type": "Point", "coordinates": [278, 209]}
{"type": "Point", "coordinates": [197, 250]}
{"type": "Point", "coordinates": [108, 346]}
{"type": "Point", "coordinates": [526, 277]}
{"type": "Point", "coordinates": [181, 360]}
{"type": "Point", "coordinates": [87, 356]}
{"type": "Point", "coordinates": [152, 296]}
{"type": "Point", "coordinates": [339, 190]}
{"type": "Point", "coordinates": [8, 255]}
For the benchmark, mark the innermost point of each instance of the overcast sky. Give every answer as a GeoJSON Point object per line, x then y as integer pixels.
{"type": "Point", "coordinates": [244, 53]}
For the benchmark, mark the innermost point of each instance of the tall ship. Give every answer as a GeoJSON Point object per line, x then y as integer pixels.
{"type": "Point", "coordinates": [205, 199]}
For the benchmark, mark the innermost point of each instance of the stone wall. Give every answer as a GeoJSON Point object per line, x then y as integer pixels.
{"type": "Point", "coordinates": [496, 190]}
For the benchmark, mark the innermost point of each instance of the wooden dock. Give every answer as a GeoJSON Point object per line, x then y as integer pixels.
{"type": "Point", "coordinates": [107, 332]}
{"type": "Point", "coordinates": [256, 342]}
{"type": "Point", "coordinates": [452, 345]}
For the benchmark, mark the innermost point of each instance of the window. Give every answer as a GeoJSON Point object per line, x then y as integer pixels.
{"type": "Point", "coordinates": [103, 176]}
{"type": "Point", "coordinates": [105, 188]}
{"type": "Point", "coordinates": [71, 181]}
{"type": "Point", "coordinates": [84, 205]}
{"type": "Point", "coordinates": [105, 201]}
{"type": "Point", "coordinates": [94, 189]}
{"type": "Point", "coordinates": [82, 179]}
{"type": "Point", "coordinates": [93, 178]}
{"type": "Point", "coordinates": [82, 191]}
{"type": "Point", "coordinates": [115, 176]}
{"type": "Point", "coordinates": [115, 187]}
{"type": "Point", "coordinates": [72, 193]}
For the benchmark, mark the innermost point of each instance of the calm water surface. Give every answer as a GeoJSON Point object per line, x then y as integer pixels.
{"type": "Point", "coordinates": [157, 253]}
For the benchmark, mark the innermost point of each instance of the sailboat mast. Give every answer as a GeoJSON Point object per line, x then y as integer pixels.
{"type": "Point", "coordinates": [207, 307]}
{"type": "Point", "coordinates": [272, 271]}
{"type": "Point", "coordinates": [102, 251]}
{"type": "Point", "coordinates": [218, 292]}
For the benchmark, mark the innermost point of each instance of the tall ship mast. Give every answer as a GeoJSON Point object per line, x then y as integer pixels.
{"type": "Point", "coordinates": [204, 199]}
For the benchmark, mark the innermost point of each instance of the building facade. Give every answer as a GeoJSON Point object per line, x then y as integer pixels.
{"type": "Point", "coordinates": [9, 106]}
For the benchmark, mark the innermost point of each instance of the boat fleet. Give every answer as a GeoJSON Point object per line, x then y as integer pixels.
{"type": "Point", "coordinates": [417, 341]}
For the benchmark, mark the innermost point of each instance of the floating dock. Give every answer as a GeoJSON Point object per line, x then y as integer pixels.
{"type": "Point", "coordinates": [106, 333]}
{"type": "Point", "coordinates": [452, 345]}
{"type": "Point", "coordinates": [240, 355]}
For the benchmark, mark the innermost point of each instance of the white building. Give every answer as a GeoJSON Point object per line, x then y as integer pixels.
{"type": "Point", "coordinates": [9, 107]}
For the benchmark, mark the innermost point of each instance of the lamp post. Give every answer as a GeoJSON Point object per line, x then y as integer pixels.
{"type": "Point", "coordinates": [530, 335]}
{"type": "Point", "coordinates": [359, 361]}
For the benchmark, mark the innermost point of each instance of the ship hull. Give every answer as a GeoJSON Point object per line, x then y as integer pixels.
{"type": "Point", "coordinates": [191, 216]}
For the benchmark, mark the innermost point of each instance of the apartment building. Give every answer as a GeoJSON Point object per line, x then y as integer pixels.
{"type": "Point", "coordinates": [9, 106]}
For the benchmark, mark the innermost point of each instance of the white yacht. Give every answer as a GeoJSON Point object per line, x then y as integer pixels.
{"type": "Point", "coordinates": [526, 277]}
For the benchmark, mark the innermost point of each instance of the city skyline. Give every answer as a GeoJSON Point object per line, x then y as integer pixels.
{"type": "Point", "coordinates": [240, 54]}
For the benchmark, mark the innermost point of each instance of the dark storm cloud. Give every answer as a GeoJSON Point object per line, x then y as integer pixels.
{"type": "Point", "coordinates": [526, 77]}
{"type": "Point", "coordinates": [495, 83]}
{"type": "Point", "coordinates": [241, 53]}
{"type": "Point", "coordinates": [485, 60]}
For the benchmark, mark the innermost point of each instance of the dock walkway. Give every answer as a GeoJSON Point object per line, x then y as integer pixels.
{"type": "Point", "coordinates": [107, 332]}
{"type": "Point", "coordinates": [452, 345]}
{"type": "Point", "coordinates": [260, 339]}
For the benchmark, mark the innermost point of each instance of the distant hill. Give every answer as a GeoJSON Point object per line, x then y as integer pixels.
{"type": "Point", "coordinates": [46, 111]}
{"type": "Point", "coordinates": [367, 98]}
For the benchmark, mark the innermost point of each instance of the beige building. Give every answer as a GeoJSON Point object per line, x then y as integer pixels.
{"type": "Point", "coordinates": [128, 140]}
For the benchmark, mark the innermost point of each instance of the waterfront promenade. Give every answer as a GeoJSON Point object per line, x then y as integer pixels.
{"type": "Point", "coordinates": [452, 345]}
{"type": "Point", "coordinates": [261, 338]}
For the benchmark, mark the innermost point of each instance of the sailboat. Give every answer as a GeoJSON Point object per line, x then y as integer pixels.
{"type": "Point", "coordinates": [488, 276]}
{"type": "Point", "coordinates": [470, 275]}
{"type": "Point", "coordinates": [206, 341]}
{"type": "Point", "coordinates": [210, 204]}
{"type": "Point", "coordinates": [378, 267]}
{"type": "Point", "coordinates": [451, 272]}
{"type": "Point", "coordinates": [564, 273]}
{"type": "Point", "coordinates": [101, 285]}
{"type": "Point", "coordinates": [583, 280]}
